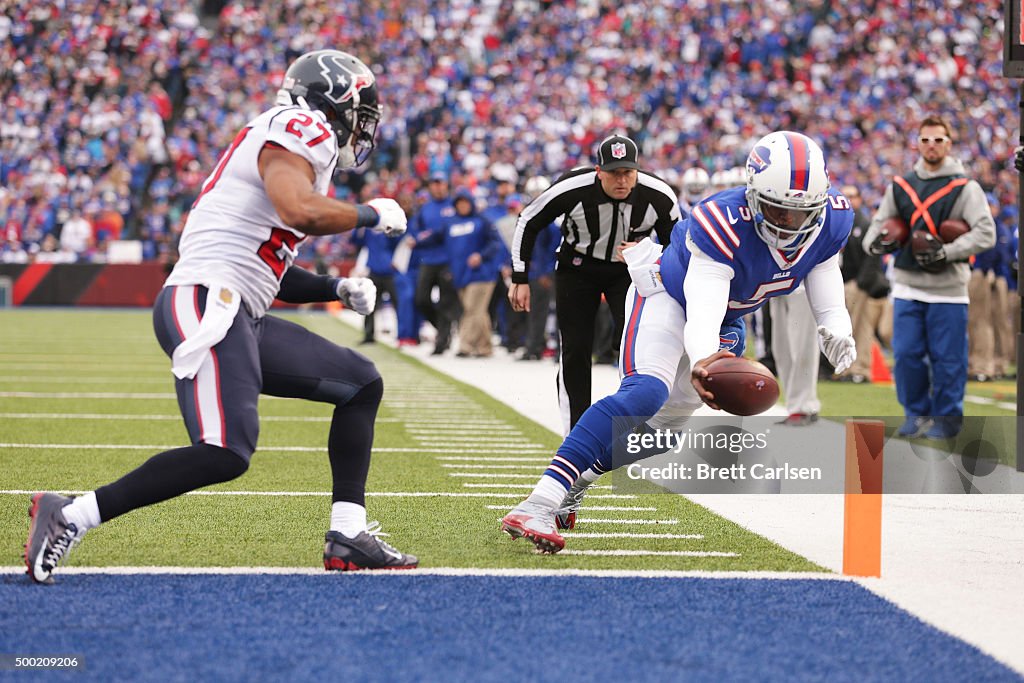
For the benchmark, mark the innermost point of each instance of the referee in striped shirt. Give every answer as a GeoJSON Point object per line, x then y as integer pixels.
{"type": "Point", "coordinates": [604, 209]}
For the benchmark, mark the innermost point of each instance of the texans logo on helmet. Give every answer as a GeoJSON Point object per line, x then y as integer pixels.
{"type": "Point", "coordinates": [350, 82]}
{"type": "Point", "coordinates": [759, 159]}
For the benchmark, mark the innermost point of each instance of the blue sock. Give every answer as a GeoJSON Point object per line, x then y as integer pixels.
{"type": "Point", "coordinates": [639, 396]}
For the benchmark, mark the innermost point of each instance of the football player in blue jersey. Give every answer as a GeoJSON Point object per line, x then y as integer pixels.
{"type": "Point", "coordinates": [737, 249]}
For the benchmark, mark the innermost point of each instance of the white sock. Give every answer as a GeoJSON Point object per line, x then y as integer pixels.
{"type": "Point", "coordinates": [83, 512]}
{"type": "Point", "coordinates": [548, 492]}
{"type": "Point", "coordinates": [348, 518]}
{"type": "Point", "coordinates": [588, 477]}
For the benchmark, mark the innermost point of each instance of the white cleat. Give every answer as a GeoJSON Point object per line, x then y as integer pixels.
{"type": "Point", "coordinates": [536, 524]}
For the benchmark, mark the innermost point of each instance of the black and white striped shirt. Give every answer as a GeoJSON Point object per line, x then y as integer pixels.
{"type": "Point", "coordinates": [593, 223]}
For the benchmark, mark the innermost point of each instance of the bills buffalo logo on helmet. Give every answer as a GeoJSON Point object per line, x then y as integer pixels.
{"type": "Point", "coordinates": [759, 159]}
{"type": "Point", "coordinates": [618, 150]}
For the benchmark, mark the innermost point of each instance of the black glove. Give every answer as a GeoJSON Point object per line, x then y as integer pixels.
{"type": "Point", "coordinates": [932, 258]}
{"type": "Point", "coordinates": [1018, 160]}
{"type": "Point", "coordinates": [883, 245]}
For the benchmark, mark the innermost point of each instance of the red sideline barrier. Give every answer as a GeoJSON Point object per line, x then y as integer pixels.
{"type": "Point", "coordinates": [89, 284]}
{"type": "Point", "coordinates": [122, 284]}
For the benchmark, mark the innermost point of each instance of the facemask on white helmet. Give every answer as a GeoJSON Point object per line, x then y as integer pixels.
{"type": "Point", "coordinates": [787, 189]}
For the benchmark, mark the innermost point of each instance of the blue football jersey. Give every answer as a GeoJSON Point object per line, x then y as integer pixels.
{"type": "Point", "coordinates": [722, 226]}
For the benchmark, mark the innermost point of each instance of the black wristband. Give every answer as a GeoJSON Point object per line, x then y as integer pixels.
{"type": "Point", "coordinates": [332, 284]}
{"type": "Point", "coordinates": [368, 216]}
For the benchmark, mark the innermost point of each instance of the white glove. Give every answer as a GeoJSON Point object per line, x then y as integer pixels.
{"type": "Point", "coordinates": [358, 293]}
{"type": "Point", "coordinates": [840, 351]}
{"type": "Point", "coordinates": [392, 218]}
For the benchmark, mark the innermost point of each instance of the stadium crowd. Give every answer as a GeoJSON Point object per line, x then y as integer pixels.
{"type": "Point", "coordinates": [115, 112]}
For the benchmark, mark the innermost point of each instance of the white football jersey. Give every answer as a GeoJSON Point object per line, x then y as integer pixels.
{"type": "Point", "coordinates": [233, 236]}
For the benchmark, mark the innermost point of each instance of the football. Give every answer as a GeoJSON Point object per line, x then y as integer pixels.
{"type": "Point", "coordinates": [741, 386]}
{"type": "Point", "coordinates": [951, 228]}
{"type": "Point", "coordinates": [919, 243]}
{"type": "Point", "coordinates": [897, 229]}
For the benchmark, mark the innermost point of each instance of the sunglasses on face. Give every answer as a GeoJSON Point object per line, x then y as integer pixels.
{"type": "Point", "coordinates": [937, 141]}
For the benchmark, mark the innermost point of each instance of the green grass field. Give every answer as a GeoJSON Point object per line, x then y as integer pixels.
{"type": "Point", "coordinates": [87, 395]}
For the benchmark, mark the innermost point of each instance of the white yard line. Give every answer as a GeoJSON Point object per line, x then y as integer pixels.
{"type": "Point", "coordinates": [588, 534]}
{"type": "Point", "coordinates": [127, 379]}
{"type": "Point", "coordinates": [595, 508]}
{"type": "Point", "coordinates": [431, 427]}
{"type": "Point", "coordinates": [451, 436]}
{"type": "Point", "coordinates": [469, 458]}
{"type": "Point", "coordinates": [649, 553]}
{"type": "Point", "coordinates": [490, 467]}
{"type": "Point", "coordinates": [982, 400]}
{"type": "Point", "coordinates": [86, 394]}
{"type": "Point", "coordinates": [601, 520]}
{"type": "Point", "coordinates": [500, 486]}
{"type": "Point", "coordinates": [148, 418]}
{"type": "Point", "coordinates": [489, 475]}
{"type": "Point", "coordinates": [300, 494]}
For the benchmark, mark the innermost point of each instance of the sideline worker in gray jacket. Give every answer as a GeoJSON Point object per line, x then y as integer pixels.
{"type": "Point", "coordinates": [930, 283]}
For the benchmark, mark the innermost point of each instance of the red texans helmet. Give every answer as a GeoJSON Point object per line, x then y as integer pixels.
{"type": "Point", "coordinates": [344, 90]}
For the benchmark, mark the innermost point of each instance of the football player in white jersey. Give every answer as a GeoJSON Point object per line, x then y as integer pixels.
{"type": "Point", "coordinates": [266, 194]}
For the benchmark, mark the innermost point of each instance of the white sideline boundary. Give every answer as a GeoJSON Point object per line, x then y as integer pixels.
{"type": "Point", "coordinates": [439, 571]}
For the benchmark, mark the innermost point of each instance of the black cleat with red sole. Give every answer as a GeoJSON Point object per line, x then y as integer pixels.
{"type": "Point", "coordinates": [365, 551]}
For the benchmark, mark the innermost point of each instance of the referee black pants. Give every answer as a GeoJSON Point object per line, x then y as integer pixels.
{"type": "Point", "coordinates": [579, 284]}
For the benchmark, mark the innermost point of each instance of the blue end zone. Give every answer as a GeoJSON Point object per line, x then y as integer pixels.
{"type": "Point", "coordinates": [406, 627]}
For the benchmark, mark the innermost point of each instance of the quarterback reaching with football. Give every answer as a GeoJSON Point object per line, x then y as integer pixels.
{"type": "Point", "coordinates": [267, 193]}
{"type": "Point", "coordinates": [737, 249]}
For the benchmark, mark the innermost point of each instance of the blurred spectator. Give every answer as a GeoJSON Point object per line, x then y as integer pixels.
{"type": "Point", "coordinates": [988, 315]}
{"type": "Point", "coordinates": [510, 325]}
{"type": "Point", "coordinates": [427, 237]}
{"type": "Point", "coordinates": [76, 234]}
{"type": "Point", "coordinates": [475, 252]}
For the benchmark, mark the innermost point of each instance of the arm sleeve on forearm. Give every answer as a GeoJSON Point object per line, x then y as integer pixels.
{"type": "Point", "coordinates": [299, 286]}
{"type": "Point", "coordinates": [706, 288]}
{"type": "Point", "coordinates": [825, 292]}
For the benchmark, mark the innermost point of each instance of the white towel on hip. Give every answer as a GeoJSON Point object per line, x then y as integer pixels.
{"type": "Point", "coordinates": [221, 308]}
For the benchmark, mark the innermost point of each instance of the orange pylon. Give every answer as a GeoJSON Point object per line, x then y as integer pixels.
{"type": "Point", "coordinates": [879, 369]}
{"type": "Point", "coordinates": [862, 513]}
